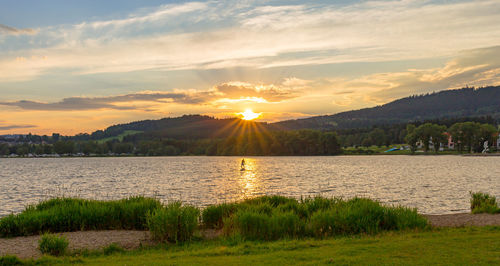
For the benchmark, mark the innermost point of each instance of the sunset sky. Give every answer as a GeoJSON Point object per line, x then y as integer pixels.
{"type": "Point", "coordinates": [79, 66]}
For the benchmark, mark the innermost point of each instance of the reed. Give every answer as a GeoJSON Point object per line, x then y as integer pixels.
{"type": "Point", "coordinates": [261, 218]}
{"type": "Point", "coordinates": [266, 219]}
{"type": "Point", "coordinates": [483, 203]}
{"type": "Point", "coordinates": [69, 214]}
{"type": "Point", "coordinates": [174, 223]}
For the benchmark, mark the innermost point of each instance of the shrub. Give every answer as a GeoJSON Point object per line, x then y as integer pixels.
{"type": "Point", "coordinates": [483, 203]}
{"type": "Point", "coordinates": [53, 244]}
{"type": "Point", "coordinates": [174, 222]}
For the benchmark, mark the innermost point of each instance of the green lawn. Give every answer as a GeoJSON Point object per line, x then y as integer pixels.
{"type": "Point", "coordinates": [120, 137]}
{"type": "Point", "coordinates": [462, 246]}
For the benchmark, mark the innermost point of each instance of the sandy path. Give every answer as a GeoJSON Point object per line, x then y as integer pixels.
{"type": "Point", "coordinates": [27, 247]}
{"type": "Point", "coordinates": [463, 219]}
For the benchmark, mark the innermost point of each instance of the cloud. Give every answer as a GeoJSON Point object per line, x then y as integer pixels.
{"type": "Point", "coordinates": [110, 102]}
{"type": "Point", "coordinates": [14, 31]}
{"type": "Point", "coordinates": [145, 101]}
{"type": "Point", "coordinates": [478, 67]}
{"type": "Point", "coordinates": [214, 35]}
{"type": "Point", "coordinates": [161, 13]}
{"type": "Point", "coordinates": [8, 127]}
{"type": "Point", "coordinates": [269, 93]}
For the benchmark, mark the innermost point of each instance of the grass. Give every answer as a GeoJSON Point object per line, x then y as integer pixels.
{"type": "Point", "coordinates": [53, 245]}
{"type": "Point", "coordinates": [483, 203]}
{"type": "Point", "coordinates": [174, 222]}
{"type": "Point", "coordinates": [261, 218]}
{"type": "Point", "coordinates": [454, 246]}
{"type": "Point", "coordinates": [120, 137]}
{"type": "Point", "coordinates": [276, 217]}
{"type": "Point", "coordinates": [68, 214]}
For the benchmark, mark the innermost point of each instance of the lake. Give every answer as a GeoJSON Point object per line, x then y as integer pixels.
{"type": "Point", "coordinates": [433, 184]}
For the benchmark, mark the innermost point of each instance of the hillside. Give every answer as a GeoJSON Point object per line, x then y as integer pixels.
{"type": "Point", "coordinates": [184, 127]}
{"type": "Point", "coordinates": [466, 102]}
{"type": "Point", "coordinates": [449, 104]}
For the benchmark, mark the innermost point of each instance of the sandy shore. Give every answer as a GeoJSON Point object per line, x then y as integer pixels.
{"type": "Point", "coordinates": [27, 247]}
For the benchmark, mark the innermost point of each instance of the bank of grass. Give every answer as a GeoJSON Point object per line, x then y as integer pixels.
{"type": "Point", "coordinates": [277, 217]}
{"type": "Point", "coordinates": [483, 203]}
{"type": "Point", "coordinates": [450, 246]}
{"type": "Point", "coordinates": [261, 218]}
{"type": "Point", "coordinates": [69, 214]}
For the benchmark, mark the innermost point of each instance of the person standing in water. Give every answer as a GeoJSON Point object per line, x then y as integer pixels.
{"type": "Point", "coordinates": [242, 163]}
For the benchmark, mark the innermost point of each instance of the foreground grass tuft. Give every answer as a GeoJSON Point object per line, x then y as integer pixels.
{"type": "Point", "coordinates": [112, 248]}
{"type": "Point", "coordinates": [8, 260]}
{"type": "Point", "coordinates": [174, 222]}
{"type": "Point", "coordinates": [53, 245]}
{"type": "Point", "coordinates": [483, 203]}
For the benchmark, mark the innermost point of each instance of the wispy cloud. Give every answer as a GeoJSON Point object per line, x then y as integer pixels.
{"type": "Point", "coordinates": [4, 29]}
{"type": "Point", "coordinates": [159, 14]}
{"type": "Point", "coordinates": [478, 67]}
{"type": "Point", "coordinates": [262, 36]}
{"type": "Point", "coordinates": [4, 126]}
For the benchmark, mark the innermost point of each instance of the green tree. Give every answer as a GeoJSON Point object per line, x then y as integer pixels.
{"type": "Point", "coordinates": [378, 137]}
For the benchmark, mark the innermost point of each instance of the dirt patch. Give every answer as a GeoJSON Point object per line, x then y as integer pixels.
{"type": "Point", "coordinates": [463, 219]}
{"type": "Point", "coordinates": [27, 246]}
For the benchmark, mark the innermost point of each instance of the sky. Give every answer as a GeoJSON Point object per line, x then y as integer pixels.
{"type": "Point", "coordinates": [79, 66]}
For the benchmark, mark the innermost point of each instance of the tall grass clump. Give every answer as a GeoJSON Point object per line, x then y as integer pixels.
{"type": "Point", "coordinates": [269, 218]}
{"type": "Point", "coordinates": [483, 203]}
{"type": "Point", "coordinates": [52, 244]}
{"type": "Point", "coordinates": [173, 223]}
{"type": "Point", "coordinates": [212, 216]}
{"type": "Point", "coordinates": [363, 216]}
{"type": "Point", "coordinates": [254, 225]}
{"type": "Point", "coordinates": [69, 214]}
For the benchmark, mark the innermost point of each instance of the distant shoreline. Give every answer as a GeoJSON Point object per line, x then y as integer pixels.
{"type": "Point", "coordinates": [193, 155]}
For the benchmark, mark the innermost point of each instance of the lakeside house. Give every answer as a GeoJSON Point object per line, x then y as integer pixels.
{"type": "Point", "coordinates": [451, 144]}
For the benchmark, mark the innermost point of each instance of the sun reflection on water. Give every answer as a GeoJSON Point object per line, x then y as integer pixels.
{"type": "Point", "coordinates": [249, 181]}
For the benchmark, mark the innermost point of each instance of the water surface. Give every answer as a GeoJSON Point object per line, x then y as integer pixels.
{"type": "Point", "coordinates": [433, 184]}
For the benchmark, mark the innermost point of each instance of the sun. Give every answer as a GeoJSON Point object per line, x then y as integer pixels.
{"type": "Point", "coordinates": [248, 114]}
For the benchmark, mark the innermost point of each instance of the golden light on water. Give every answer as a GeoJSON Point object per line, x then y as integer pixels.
{"type": "Point", "coordinates": [248, 114]}
{"type": "Point", "coordinates": [250, 185]}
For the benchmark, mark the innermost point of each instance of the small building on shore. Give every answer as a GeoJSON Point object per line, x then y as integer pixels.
{"type": "Point", "coordinates": [451, 144]}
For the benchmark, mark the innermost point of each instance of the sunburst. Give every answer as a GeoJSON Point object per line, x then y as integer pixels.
{"type": "Point", "coordinates": [248, 114]}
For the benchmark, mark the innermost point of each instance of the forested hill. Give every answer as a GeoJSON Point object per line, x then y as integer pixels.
{"type": "Point", "coordinates": [184, 127]}
{"type": "Point", "coordinates": [449, 104]}
{"type": "Point", "coordinates": [466, 102]}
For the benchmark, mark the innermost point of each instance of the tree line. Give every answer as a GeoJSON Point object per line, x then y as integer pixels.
{"type": "Point", "coordinates": [299, 142]}
{"type": "Point", "coordinates": [383, 135]}
{"type": "Point", "coordinates": [467, 136]}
